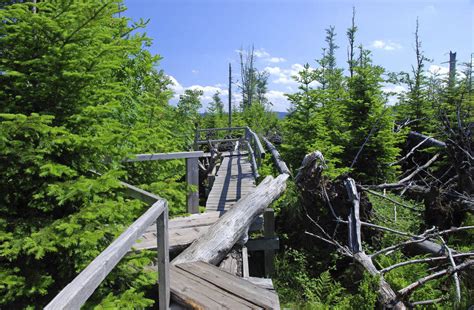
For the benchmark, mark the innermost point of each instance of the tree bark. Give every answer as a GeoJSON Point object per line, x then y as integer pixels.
{"type": "Point", "coordinates": [226, 232]}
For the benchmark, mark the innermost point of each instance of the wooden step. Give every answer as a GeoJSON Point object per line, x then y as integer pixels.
{"type": "Point", "coordinates": [201, 285]}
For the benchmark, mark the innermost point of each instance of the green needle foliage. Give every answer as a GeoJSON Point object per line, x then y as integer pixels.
{"type": "Point", "coordinates": [79, 94]}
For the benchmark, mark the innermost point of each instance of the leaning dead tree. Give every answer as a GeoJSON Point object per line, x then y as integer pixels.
{"type": "Point", "coordinates": [349, 213]}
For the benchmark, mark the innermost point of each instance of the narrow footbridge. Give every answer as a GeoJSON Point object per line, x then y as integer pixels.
{"type": "Point", "coordinates": [216, 263]}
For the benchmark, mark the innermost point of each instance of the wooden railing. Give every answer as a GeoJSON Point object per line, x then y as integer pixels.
{"type": "Point", "coordinates": [243, 135]}
{"type": "Point", "coordinates": [192, 172]}
{"type": "Point", "coordinates": [76, 293]}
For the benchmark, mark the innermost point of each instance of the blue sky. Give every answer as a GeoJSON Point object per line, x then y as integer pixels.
{"type": "Point", "coordinates": [198, 38]}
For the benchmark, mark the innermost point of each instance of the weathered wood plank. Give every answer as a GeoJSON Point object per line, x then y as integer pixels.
{"type": "Point", "coordinates": [75, 294]}
{"type": "Point", "coordinates": [265, 283]}
{"type": "Point", "coordinates": [163, 156]}
{"type": "Point", "coordinates": [183, 231]}
{"type": "Point", "coordinates": [235, 285]}
{"type": "Point", "coordinates": [192, 291]}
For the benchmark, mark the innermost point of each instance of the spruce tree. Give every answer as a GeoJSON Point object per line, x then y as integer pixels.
{"type": "Point", "coordinates": [79, 94]}
{"type": "Point", "coordinates": [372, 143]}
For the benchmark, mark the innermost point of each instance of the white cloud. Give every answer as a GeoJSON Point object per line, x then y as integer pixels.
{"type": "Point", "coordinates": [386, 45]}
{"type": "Point", "coordinates": [285, 76]}
{"type": "Point", "coordinates": [438, 70]}
{"type": "Point", "coordinates": [262, 54]}
{"type": "Point", "coordinates": [393, 91]}
{"type": "Point", "coordinates": [279, 100]}
{"type": "Point", "coordinates": [276, 59]}
{"type": "Point", "coordinates": [194, 71]}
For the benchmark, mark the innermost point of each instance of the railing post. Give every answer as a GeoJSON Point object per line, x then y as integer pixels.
{"type": "Point", "coordinates": [269, 232]}
{"type": "Point", "coordinates": [192, 179]}
{"type": "Point", "coordinates": [197, 135]}
{"type": "Point", "coordinates": [163, 260]}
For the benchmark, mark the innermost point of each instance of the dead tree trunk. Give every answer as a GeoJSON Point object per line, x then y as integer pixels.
{"type": "Point", "coordinates": [226, 232]}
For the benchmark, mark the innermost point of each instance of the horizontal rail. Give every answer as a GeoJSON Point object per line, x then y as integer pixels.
{"type": "Point", "coordinates": [140, 194]}
{"type": "Point", "coordinates": [217, 141]}
{"type": "Point", "coordinates": [76, 293]}
{"type": "Point", "coordinates": [281, 165]}
{"type": "Point", "coordinates": [254, 163]}
{"type": "Point", "coordinates": [221, 129]}
{"type": "Point", "coordinates": [260, 150]}
{"type": "Point", "coordinates": [164, 156]}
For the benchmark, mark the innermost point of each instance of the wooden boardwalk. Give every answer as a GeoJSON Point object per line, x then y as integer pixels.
{"type": "Point", "coordinates": [182, 231]}
{"type": "Point", "coordinates": [205, 286]}
{"type": "Point", "coordinates": [234, 180]}
{"type": "Point", "coordinates": [200, 238]}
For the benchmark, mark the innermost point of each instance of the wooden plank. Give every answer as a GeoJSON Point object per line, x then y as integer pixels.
{"type": "Point", "coordinates": [265, 283]}
{"type": "Point", "coordinates": [192, 179]}
{"type": "Point", "coordinates": [163, 156]}
{"type": "Point", "coordinates": [182, 232]}
{"type": "Point", "coordinates": [163, 261]}
{"type": "Point", "coordinates": [190, 290]}
{"type": "Point", "coordinates": [75, 294]}
{"type": "Point", "coordinates": [230, 283]}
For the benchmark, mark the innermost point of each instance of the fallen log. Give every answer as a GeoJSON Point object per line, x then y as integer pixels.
{"type": "Point", "coordinates": [387, 296]}
{"type": "Point", "coordinates": [213, 246]}
{"type": "Point", "coordinates": [427, 141]}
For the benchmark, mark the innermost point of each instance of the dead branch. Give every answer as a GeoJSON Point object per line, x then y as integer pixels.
{"type": "Point", "coordinates": [425, 302]}
{"type": "Point", "coordinates": [404, 180]}
{"type": "Point", "coordinates": [410, 152]}
{"type": "Point", "coordinates": [390, 199]}
{"type": "Point", "coordinates": [423, 260]}
{"type": "Point", "coordinates": [455, 274]}
{"type": "Point", "coordinates": [410, 288]}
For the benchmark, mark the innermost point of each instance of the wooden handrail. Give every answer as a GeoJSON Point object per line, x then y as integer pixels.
{"type": "Point", "coordinates": [281, 165]}
{"type": "Point", "coordinates": [165, 156]}
{"type": "Point", "coordinates": [252, 158]}
{"type": "Point", "coordinates": [192, 172]}
{"type": "Point", "coordinates": [76, 293]}
{"type": "Point", "coordinates": [221, 129]}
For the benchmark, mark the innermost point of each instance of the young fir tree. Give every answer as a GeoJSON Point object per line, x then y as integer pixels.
{"type": "Point", "coordinates": [372, 143]}
{"type": "Point", "coordinates": [416, 107]}
{"type": "Point", "coordinates": [214, 117]}
{"type": "Point", "coordinates": [79, 94]}
{"type": "Point", "coordinates": [316, 118]}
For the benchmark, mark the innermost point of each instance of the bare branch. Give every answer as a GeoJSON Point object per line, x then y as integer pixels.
{"type": "Point", "coordinates": [419, 169]}
{"type": "Point", "coordinates": [390, 199]}
{"type": "Point", "coordinates": [426, 302]}
{"type": "Point", "coordinates": [423, 260]}
{"type": "Point", "coordinates": [410, 288]}
{"type": "Point", "coordinates": [410, 152]}
{"type": "Point", "coordinates": [455, 274]}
